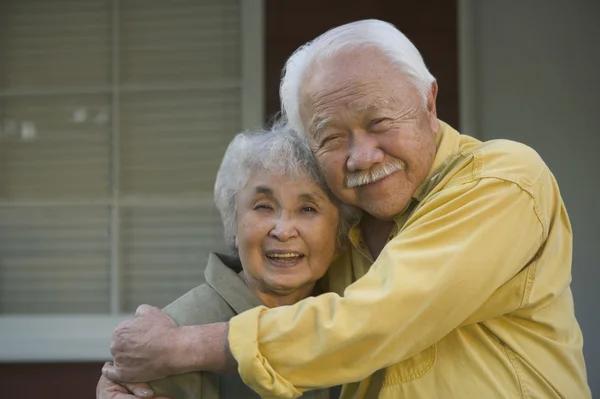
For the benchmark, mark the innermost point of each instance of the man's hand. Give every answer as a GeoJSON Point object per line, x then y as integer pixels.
{"type": "Point", "coordinates": [107, 389]}
{"type": "Point", "coordinates": [143, 347]}
{"type": "Point", "coordinates": [150, 346]}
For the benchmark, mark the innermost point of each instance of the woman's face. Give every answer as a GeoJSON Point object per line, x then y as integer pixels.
{"type": "Point", "coordinates": [286, 233]}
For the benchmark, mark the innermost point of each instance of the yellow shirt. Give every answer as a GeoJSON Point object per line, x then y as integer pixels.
{"type": "Point", "coordinates": [470, 297]}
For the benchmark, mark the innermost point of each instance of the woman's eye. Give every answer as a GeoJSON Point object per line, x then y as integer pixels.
{"type": "Point", "coordinates": [262, 207]}
{"type": "Point", "coordinates": [308, 209]}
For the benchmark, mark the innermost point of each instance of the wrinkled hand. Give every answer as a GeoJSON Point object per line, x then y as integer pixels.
{"type": "Point", "coordinates": [107, 389]}
{"type": "Point", "coordinates": [142, 347]}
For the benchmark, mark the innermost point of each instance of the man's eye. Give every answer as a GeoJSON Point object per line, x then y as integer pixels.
{"type": "Point", "coordinates": [259, 207]}
{"type": "Point", "coordinates": [379, 123]}
{"type": "Point", "coordinates": [330, 140]}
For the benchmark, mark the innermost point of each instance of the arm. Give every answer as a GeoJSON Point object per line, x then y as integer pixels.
{"type": "Point", "coordinates": [459, 247]}
{"type": "Point", "coordinates": [151, 346]}
{"type": "Point", "coordinates": [180, 386]}
{"type": "Point", "coordinates": [457, 250]}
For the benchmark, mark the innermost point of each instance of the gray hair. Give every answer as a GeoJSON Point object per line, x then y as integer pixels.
{"type": "Point", "coordinates": [367, 33]}
{"type": "Point", "coordinates": [278, 150]}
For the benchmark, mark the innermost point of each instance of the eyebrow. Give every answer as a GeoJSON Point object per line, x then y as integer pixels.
{"type": "Point", "coordinates": [376, 105]}
{"type": "Point", "coordinates": [264, 190]}
{"type": "Point", "coordinates": [311, 197]}
{"type": "Point", "coordinates": [316, 127]}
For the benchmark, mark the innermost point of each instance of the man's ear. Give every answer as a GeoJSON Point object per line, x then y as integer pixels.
{"type": "Point", "coordinates": [432, 108]}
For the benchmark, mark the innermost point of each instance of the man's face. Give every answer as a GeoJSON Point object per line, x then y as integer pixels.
{"type": "Point", "coordinates": [372, 133]}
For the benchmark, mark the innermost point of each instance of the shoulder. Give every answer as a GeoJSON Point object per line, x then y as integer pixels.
{"type": "Point", "coordinates": [500, 170]}
{"type": "Point", "coordinates": [200, 305]}
{"type": "Point", "coordinates": [511, 161]}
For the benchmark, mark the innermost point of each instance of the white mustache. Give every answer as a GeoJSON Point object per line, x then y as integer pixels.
{"type": "Point", "coordinates": [361, 178]}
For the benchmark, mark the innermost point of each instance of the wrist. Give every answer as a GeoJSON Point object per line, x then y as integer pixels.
{"type": "Point", "coordinates": [202, 348]}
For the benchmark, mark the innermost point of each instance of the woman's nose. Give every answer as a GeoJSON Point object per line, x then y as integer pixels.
{"type": "Point", "coordinates": [284, 228]}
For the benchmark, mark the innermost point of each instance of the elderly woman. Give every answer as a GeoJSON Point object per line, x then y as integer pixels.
{"type": "Point", "coordinates": [283, 228]}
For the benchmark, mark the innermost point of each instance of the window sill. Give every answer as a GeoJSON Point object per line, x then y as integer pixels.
{"type": "Point", "coordinates": [64, 338]}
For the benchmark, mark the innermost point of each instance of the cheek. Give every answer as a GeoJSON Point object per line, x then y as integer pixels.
{"type": "Point", "coordinates": [414, 148]}
{"type": "Point", "coordinates": [426, 147]}
{"type": "Point", "coordinates": [320, 263]}
{"type": "Point", "coordinates": [250, 233]}
{"type": "Point", "coordinates": [333, 168]}
{"type": "Point", "coordinates": [324, 238]}
{"type": "Point", "coordinates": [250, 254]}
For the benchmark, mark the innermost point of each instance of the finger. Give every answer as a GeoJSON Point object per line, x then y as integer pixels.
{"type": "Point", "coordinates": [140, 389]}
{"type": "Point", "coordinates": [124, 396]}
{"type": "Point", "coordinates": [143, 309]}
{"type": "Point", "coordinates": [110, 371]}
{"type": "Point", "coordinates": [107, 389]}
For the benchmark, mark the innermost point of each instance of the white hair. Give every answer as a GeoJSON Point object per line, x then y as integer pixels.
{"type": "Point", "coordinates": [278, 150]}
{"type": "Point", "coordinates": [360, 34]}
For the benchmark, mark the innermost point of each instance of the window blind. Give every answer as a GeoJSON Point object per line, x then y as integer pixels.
{"type": "Point", "coordinates": [114, 116]}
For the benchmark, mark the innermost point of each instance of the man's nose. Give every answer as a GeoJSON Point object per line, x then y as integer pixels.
{"type": "Point", "coordinates": [364, 152]}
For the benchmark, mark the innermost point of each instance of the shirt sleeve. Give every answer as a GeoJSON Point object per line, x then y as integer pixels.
{"type": "Point", "coordinates": [459, 247]}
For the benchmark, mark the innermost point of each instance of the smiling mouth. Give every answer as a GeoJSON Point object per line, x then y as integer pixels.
{"type": "Point", "coordinates": [285, 259]}
{"type": "Point", "coordinates": [375, 182]}
{"type": "Point", "coordinates": [365, 178]}
{"type": "Point", "coordinates": [379, 179]}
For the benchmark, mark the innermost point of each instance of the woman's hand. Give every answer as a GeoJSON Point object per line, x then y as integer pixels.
{"type": "Point", "coordinates": [107, 389]}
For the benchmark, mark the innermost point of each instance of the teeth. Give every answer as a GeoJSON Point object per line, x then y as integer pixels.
{"type": "Point", "coordinates": [288, 255]}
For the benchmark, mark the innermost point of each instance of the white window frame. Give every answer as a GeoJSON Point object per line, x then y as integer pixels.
{"type": "Point", "coordinates": [80, 338]}
{"type": "Point", "coordinates": [467, 68]}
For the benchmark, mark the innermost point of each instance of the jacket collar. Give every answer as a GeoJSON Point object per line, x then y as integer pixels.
{"type": "Point", "coordinates": [222, 275]}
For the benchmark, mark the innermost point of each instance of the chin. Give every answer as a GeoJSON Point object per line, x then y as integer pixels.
{"type": "Point", "coordinates": [384, 212]}
{"type": "Point", "coordinates": [289, 284]}
{"type": "Point", "coordinates": [284, 286]}
{"type": "Point", "coordinates": [388, 210]}
{"type": "Point", "coordinates": [383, 216]}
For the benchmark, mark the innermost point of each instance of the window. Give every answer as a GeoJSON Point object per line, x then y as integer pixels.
{"type": "Point", "coordinates": [114, 115]}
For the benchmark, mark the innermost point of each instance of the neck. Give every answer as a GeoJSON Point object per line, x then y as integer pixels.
{"type": "Point", "coordinates": [275, 299]}
{"type": "Point", "coordinates": [375, 233]}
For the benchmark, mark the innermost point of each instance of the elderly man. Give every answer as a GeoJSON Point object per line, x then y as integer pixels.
{"type": "Point", "coordinates": [457, 281]}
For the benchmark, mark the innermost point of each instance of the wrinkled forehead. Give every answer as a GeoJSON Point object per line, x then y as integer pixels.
{"type": "Point", "coordinates": [348, 104]}
{"type": "Point", "coordinates": [319, 117]}
{"type": "Point", "coordinates": [274, 183]}
{"type": "Point", "coordinates": [351, 83]}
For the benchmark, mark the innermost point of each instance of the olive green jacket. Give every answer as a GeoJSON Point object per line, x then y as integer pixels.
{"type": "Point", "coordinates": [223, 296]}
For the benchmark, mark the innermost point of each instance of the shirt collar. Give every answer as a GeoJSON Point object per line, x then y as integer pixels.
{"type": "Point", "coordinates": [222, 275]}
{"type": "Point", "coordinates": [447, 142]}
